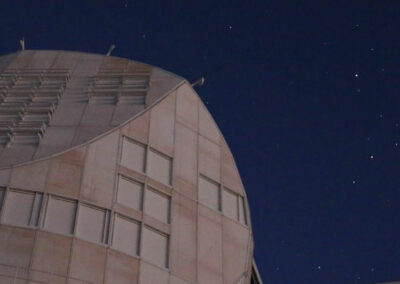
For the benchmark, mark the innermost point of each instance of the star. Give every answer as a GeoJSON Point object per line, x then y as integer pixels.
{"type": "Point", "coordinates": [318, 267]}
{"type": "Point", "coordinates": [371, 157]}
{"type": "Point", "coordinates": [372, 269]}
{"type": "Point", "coordinates": [356, 75]}
{"type": "Point", "coordinates": [381, 115]}
{"type": "Point", "coordinates": [372, 49]}
{"type": "Point", "coordinates": [396, 144]}
{"type": "Point", "coordinates": [354, 182]}
{"type": "Point", "coordinates": [230, 27]}
{"type": "Point", "coordinates": [358, 90]}
{"type": "Point", "coordinates": [143, 36]}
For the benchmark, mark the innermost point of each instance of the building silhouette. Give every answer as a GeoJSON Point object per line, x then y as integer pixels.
{"type": "Point", "coordinates": [114, 171]}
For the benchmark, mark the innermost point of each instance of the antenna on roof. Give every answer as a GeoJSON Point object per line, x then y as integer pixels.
{"type": "Point", "coordinates": [199, 82]}
{"type": "Point", "coordinates": [22, 43]}
{"type": "Point", "coordinates": [112, 47]}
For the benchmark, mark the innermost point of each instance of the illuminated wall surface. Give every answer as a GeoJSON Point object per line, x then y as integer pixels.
{"type": "Point", "coordinates": [113, 171]}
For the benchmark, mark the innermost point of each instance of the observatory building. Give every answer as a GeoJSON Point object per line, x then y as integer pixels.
{"type": "Point", "coordinates": [114, 171]}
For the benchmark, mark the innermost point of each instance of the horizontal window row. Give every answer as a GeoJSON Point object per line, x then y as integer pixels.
{"type": "Point", "coordinates": [88, 222]}
{"type": "Point", "coordinates": [222, 199]}
{"type": "Point", "coordinates": [141, 158]}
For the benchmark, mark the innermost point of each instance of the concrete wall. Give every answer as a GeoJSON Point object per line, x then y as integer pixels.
{"type": "Point", "coordinates": [158, 200]}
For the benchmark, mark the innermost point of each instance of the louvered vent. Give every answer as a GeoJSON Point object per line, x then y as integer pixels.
{"type": "Point", "coordinates": [120, 86]}
{"type": "Point", "coordinates": [28, 99]}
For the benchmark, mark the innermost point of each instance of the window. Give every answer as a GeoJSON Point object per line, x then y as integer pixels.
{"type": "Point", "coordinates": [126, 235]}
{"type": "Point", "coordinates": [129, 193]}
{"type": "Point", "coordinates": [233, 206]}
{"type": "Point", "coordinates": [160, 167]}
{"type": "Point", "coordinates": [60, 215]}
{"type": "Point", "coordinates": [22, 208]}
{"type": "Point", "coordinates": [133, 155]}
{"type": "Point", "coordinates": [209, 193]}
{"type": "Point", "coordinates": [157, 205]}
{"type": "Point", "coordinates": [230, 204]}
{"type": "Point", "coordinates": [242, 211]}
{"type": "Point", "coordinates": [155, 247]}
{"type": "Point", "coordinates": [92, 223]}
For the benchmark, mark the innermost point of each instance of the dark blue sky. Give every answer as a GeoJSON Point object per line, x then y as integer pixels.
{"type": "Point", "coordinates": [306, 94]}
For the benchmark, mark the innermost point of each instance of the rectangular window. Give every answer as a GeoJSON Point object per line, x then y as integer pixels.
{"type": "Point", "coordinates": [242, 211]}
{"type": "Point", "coordinates": [126, 235]}
{"type": "Point", "coordinates": [209, 193]}
{"type": "Point", "coordinates": [60, 215]}
{"type": "Point", "coordinates": [130, 193]}
{"type": "Point", "coordinates": [91, 223]}
{"type": "Point", "coordinates": [160, 167]}
{"type": "Point", "coordinates": [133, 155]}
{"type": "Point", "coordinates": [230, 204]}
{"type": "Point", "coordinates": [22, 208]}
{"type": "Point", "coordinates": [155, 247]}
{"type": "Point", "coordinates": [157, 205]}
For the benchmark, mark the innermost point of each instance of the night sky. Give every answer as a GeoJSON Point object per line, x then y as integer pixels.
{"type": "Point", "coordinates": [305, 92]}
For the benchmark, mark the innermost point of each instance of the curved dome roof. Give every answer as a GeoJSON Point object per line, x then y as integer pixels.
{"type": "Point", "coordinates": [51, 101]}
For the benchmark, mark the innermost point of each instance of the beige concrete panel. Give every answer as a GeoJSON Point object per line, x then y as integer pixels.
{"type": "Point", "coordinates": [18, 207]}
{"type": "Point", "coordinates": [121, 268]}
{"type": "Point", "coordinates": [125, 111]}
{"type": "Point", "coordinates": [87, 65]}
{"type": "Point", "coordinates": [133, 155]}
{"type": "Point", "coordinates": [16, 246]}
{"type": "Point", "coordinates": [17, 154]}
{"type": "Point", "coordinates": [209, 193]}
{"type": "Point", "coordinates": [31, 176]}
{"type": "Point", "coordinates": [185, 161]}
{"type": "Point", "coordinates": [235, 245]}
{"type": "Point", "coordinates": [126, 235]}
{"type": "Point", "coordinates": [51, 253]}
{"type": "Point", "coordinates": [56, 279]}
{"type": "Point", "coordinates": [210, 246]}
{"type": "Point", "coordinates": [229, 172]}
{"type": "Point", "coordinates": [175, 280]}
{"type": "Point", "coordinates": [157, 205]}
{"type": "Point", "coordinates": [129, 193]}
{"type": "Point", "coordinates": [154, 247]}
{"type": "Point", "coordinates": [22, 59]}
{"type": "Point", "coordinates": [5, 175]}
{"type": "Point", "coordinates": [65, 172]}
{"type": "Point", "coordinates": [66, 60]}
{"type": "Point", "coordinates": [90, 223]}
{"type": "Point", "coordinates": [68, 114]}
{"type": "Point", "coordinates": [43, 60]}
{"type": "Point", "coordinates": [87, 261]}
{"type": "Point", "coordinates": [183, 261]}
{"type": "Point", "coordinates": [187, 106]}
{"type": "Point", "coordinates": [138, 129]}
{"type": "Point", "coordinates": [86, 133]}
{"type": "Point", "coordinates": [207, 126]}
{"type": "Point", "coordinates": [6, 60]}
{"type": "Point", "coordinates": [209, 159]}
{"type": "Point", "coordinates": [230, 204]}
{"type": "Point", "coordinates": [150, 274]}
{"type": "Point", "coordinates": [97, 115]}
{"type": "Point", "coordinates": [162, 118]}
{"type": "Point", "coordinates": [60, 215]}
{"type": "Point", "coordinates": [161, 82]}
{"type": "Point", "coordinates": [54, 140]}
{"type": "Point", "coordinates": [159, 167]}
{"type": "Point", "coordinates": [99, 173]}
